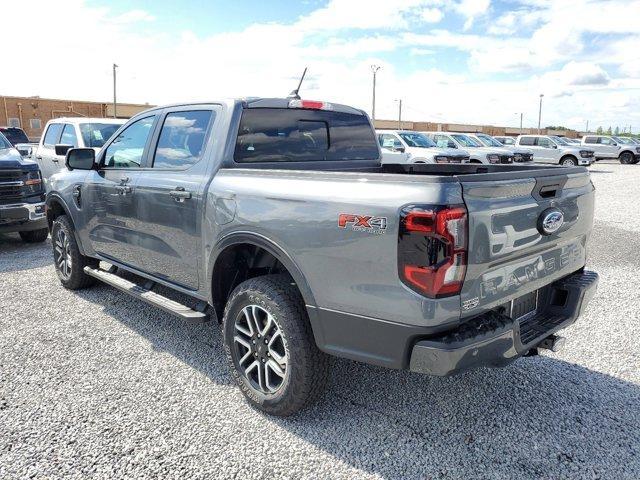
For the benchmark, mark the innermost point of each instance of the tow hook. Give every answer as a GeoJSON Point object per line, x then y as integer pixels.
{"type": "Point", "coordinates": [554, 343]}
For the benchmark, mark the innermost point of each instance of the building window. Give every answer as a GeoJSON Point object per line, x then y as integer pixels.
{"type": "Point", "coordinates": [35, 124]}
{"type": "Point", "coordinates": [14, 122]}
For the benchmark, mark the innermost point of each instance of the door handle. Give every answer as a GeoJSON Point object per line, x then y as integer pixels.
{"type": "Point", "coordinates": [55, 160]}
{"type": "Point", "coordinates": [39, 157]}
{"type": "Point", "coordinates": [180, 194]}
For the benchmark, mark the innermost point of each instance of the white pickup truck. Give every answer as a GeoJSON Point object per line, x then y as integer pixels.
{"type": "Point", "coordinates": [406, 146]}
{"type": "Point", "coordinates": [62, 134]}
{"type": "Point", "coordinates": [551, 149]}
{"type": "Point", "coordinates": [477, 151]}
{"type": "Point", "coordinates": [612, 148]}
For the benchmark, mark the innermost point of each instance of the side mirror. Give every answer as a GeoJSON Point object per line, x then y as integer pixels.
{"type": "Point", "coordinates": [451, 145]}
{"type": "Point", "coordinates": [62, 149]}
{"type": "Point", "coordinates": [554, 146]}
{"type": "Point", "coordinates": [399, 149]}
{"type": "Point", "coordinates": [80, 159]}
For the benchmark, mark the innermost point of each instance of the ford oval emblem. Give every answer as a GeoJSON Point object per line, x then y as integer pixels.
{"type": "Point", "coordinates": [550, 221]}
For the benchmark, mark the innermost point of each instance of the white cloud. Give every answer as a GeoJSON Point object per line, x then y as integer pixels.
{"type": "Point", "coordinates": [471, 9]}
{"type": "Point", "coordinates": [339, 42]}
{"type": "Point", "coordinates": [431, 15]}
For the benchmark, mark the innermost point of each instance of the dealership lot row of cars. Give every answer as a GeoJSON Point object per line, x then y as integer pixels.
{"type": "Point", "coordinates": [407, 146]}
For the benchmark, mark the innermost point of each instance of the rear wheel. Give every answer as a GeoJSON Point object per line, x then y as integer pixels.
{"type": "Point", "coordinates": [35, 236]}
{"type": "Point", "coordinates": [569, 161]}
{"type": "Point", "coordinates": [68, 260]}
{"type": "Point", "coordinates": [270, 346]}
{"type": "Point", "coordinates": [626, 158]}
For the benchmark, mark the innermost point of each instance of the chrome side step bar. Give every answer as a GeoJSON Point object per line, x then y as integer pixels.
{"type": "Point", "coordinates": [146, 295]}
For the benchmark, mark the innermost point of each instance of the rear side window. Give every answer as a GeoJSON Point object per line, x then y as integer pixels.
{"type": "Point", "coordinates": [182, 139]}
{"type": "Point", "coordinates": [298, 135]}
{"type": "Point", "coordinates": [590, 140]}
{"type": "Point", "coordinates": [69, 136]}
{"type": "Point", "coordinates": [53, 134]}
{"type": "Point", "coordinates": [527, 141]}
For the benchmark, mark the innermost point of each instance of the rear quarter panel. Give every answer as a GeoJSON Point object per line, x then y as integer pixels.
{"type": "Point", "coordinates": [348, 269]}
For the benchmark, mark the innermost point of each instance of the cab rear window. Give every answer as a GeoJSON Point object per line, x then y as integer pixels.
{"type": "Point", "coordinates": [299, 135]}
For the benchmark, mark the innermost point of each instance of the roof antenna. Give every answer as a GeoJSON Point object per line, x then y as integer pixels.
{"type": "Point", "coordinates": [294, 93]}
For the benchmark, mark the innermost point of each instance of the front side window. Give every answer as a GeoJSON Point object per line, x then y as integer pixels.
{"type": "Point", "coordinates": [606, 141]}
{"type": "Point", "coordinates": [442, 141]}
{"type": "Point", "coordinates": [53, 134]}
{"type": "Point", "coordinates": [96, 134]}
{"type": "Point", "coordinates": [417, 140]}
{"type": "Point", "coordinates": [560, 140]}
{"type": "Point", "coordinates": [544, 142]}
{"type": "Point", "coordinates": [69, 136]}
{"type": "Point", "coordinates": [389, 141]}
{"type": "Point", "coordinates": [182, 137]}
{"type": "Point", "coordinates": [127, 148]}
{"type": "Point", "coordinates": [299, 135]}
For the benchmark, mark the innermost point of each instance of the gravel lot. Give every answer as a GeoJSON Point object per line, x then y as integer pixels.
{"type": "Point", "coordinates": [95, 384]}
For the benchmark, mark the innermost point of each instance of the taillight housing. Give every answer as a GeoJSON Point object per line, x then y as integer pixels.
{"type": "Point", "coordinates": [432, 249]}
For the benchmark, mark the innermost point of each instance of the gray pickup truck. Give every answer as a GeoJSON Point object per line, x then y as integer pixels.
{"type": "Point", "coordinates": [276, 217]}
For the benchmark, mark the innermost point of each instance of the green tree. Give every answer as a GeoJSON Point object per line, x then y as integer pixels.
{"type": "Point", "coordinates": [599, 131]}
{"type": "Point", "coordinates": [616, 131]}
{"type": "Point", "coordinates": [609, 131]}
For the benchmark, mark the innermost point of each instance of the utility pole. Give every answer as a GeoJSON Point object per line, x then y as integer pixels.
{"type": "Point", "coordinates": [399, 100]}
{"type": "Point", "coordinates": [540, 113]}
{"type": "Point", "coordinates": [114, 90]}
{"type": "Point", "coordinates": [374, 69]}
{"type": "Point", "coordinates": [587, 129]}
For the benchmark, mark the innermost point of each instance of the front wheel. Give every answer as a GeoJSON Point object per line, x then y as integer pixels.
{"type": "Point", "coordinates": [67, 259]}
{"type": "Point", "coordinates": [34, 236]}
{"type": "Point", "coordinates": [626, 158]}
{"type": "Point", "coordinates": [569, 162]}
{"type": "Point", "coordinates": [270, 346]}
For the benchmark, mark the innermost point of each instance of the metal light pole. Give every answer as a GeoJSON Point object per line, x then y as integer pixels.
{"type": "Point", "coordinates": [114, 90]}
{"type": "Point", "coordinates": [374, 69]}
{"type": "Point", "coordinates": [520, 121]}
{"type": "Point", "coordinates": [399, 100]}
{"type": "Point", "coordinates": [587, 129]}
{"type": "Point", "coordinates": [540, 113]}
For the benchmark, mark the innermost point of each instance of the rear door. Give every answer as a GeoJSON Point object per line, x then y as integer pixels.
{"type": "Point", "coordinates": [510, 253]}
{"type": "Point", "coordinates": [169, 195]}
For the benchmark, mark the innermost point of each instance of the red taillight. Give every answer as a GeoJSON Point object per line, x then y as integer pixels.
{"type": "Point", "coordinates": [310, 104]}
{"type": "Point", "coordinates": [432, 249]}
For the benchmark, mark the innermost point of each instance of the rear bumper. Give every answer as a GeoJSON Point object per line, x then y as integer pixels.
{"type": "Point", "coordinates": [494, 339]}
{"type": "Point", "coordinates": [22, 217]}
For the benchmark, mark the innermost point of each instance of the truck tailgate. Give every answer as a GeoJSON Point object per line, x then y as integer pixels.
{"type": "Point", "coordinates": [512, 250]}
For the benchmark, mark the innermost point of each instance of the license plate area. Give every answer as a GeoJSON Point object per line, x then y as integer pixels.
{"type": "Point", "coordinates": [524, 306]}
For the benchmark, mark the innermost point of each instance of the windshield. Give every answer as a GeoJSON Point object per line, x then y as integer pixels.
{"type": "Point", "coordinates": [417, 140]}
{"type": "Point", "coordinates": [466, 141]}
{"type": "Point", "coordinates": [560, 140]}
{"type": "Point", "coordinates": [95, 134]}
{"type": "Point", "coordinates": [489, 141]}
{"type": "Point", "coordinates": [623, 140]}
{"type": "Point", "coordinates": [14, 135]}
{"type": "Point", "coordinates": [4, 143]}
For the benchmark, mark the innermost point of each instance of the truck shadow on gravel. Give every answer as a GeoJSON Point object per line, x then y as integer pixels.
{"type": "Point", "coordinates": [539, 417]}
{"type": "Point", "coordinates": [15, 255]}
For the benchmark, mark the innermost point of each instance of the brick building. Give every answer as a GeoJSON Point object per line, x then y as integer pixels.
{"type": "Point", "coordinates": [32, 113]}
{"type": "Point", "coordinates": [462, 128]}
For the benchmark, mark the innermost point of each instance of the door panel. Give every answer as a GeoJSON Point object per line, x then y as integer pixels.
{"type": "Point", "coordinates": [169, 196]}
{"type": "Point", "coordinates": [109, 194]}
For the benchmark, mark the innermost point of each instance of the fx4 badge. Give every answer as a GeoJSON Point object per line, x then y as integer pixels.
{"type": "Point", "coordinates": [363, 223]}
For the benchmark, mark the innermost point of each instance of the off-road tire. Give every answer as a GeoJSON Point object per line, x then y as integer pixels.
{"type": "Point", "coordinates": [307, 367]}
{"type": "Point", "coordinates": [569, 161]}
{"type": "Point", "coordinates": [77, 279]}
{"type": "Point", "coordinates": [626, 158]}
{"type": "Point", "coordinates": [34, 236]}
